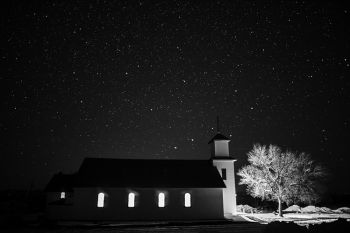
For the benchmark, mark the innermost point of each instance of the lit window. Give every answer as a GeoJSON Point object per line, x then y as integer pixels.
{"type": "Point", "coordinates": [187, 200]}
{"type": "Point", "coordinates": [131, 200]}
{"type": "Point", "coordinates": [63, 195]}
{"type": "Point", "coordinates": [101, 200]}
{"type": "Point", "coordinates": [223, 173]}
{"type": "Point", "coordinates": [161, 200]}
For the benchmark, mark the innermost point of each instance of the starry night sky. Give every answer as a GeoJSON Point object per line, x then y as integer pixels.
{"type": "Point", "coordinates": [146, 79]}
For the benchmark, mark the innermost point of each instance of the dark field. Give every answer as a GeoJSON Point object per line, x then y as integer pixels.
{"type": "Point", "coordinates": [24, 212]}
{"type": "Point", "coordinates": [340, 226]}
{"type": "Point", "coordinates": [226, 227]}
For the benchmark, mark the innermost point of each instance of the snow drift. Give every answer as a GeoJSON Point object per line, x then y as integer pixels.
{"type": "Point", "coordinates": [315, 209]}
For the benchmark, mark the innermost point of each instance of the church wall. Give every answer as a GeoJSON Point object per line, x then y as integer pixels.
{"type": "Point", "coordinates": [56, 196]}
{"type": "Point", "coordinates": [59, 211]}
{"type": "Point", "coordinates": [52, 196]}
{"type": "Point", "coordinates": [229, 193]}
{"type": "Point", "coordinates": [206, 203]}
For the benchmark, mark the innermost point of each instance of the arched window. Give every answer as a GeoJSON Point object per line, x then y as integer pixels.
{"type": "Point", "coordinates": [161, 200]}
{"type": "Point", "coordinates": [63, 195]}
{"type": "Point", "coordinates": [187, 200]}
{"type": "Point", "coordinates": [101, 200]}
{"type": "Point", "coordinates": [131, 200]}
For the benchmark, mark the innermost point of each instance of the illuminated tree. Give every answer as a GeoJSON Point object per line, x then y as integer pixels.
{"type": "Point", "coordinates": [285, 177]}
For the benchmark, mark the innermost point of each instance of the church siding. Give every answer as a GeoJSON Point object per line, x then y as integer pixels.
{"type": "Point", "coordinates": [206, 203]}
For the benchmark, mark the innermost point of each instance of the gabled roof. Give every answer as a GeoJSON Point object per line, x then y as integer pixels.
{"type": "Point", "coordinates": [105, 172]}
{"type": "Point", "coordinates": [218, 136]}
{"type": "Point", "coordinates": [136, 173]}
{"type": "Point", "coordinates": [61, 182]}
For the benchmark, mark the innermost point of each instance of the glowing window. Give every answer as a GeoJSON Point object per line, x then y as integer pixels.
{"type": "Point", "coordinates": [187, 200]}
{"type": "Point", "coordinates": [131, 200]}
{"type": "Point", "coordinates": [63, 195]}
{"type": "Point", "coordinates": [161, 200]}
{"type": "Point", "coordinates": [101, 200]}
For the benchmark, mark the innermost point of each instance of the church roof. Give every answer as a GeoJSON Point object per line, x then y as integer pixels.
{"type": "Point", "coordinates": [136, 173]}
{"type": "Point", "coordinates": [218, 136]}
{"type": "Point", "coordinates": [61, 182]}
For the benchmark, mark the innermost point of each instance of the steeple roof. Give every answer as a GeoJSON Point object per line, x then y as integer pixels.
{"type": "Point", "coordinates": [219, 137]}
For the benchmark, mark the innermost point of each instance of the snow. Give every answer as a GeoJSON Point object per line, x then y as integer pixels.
{"type": "Point", "coordinates": [293, 208]}
{"type": "Point", "coordinates": [308, 215]}
{"type": "Point", "coordinates": [314, 209]}
{"type": "Point", "coordinates": [246, 209]}
{"type": "Point", "coordinates": [343, 210]}
{"type": "Point", "coordinates": [325, 210]}
{"type": "Point", "coordinates": [310, 209]}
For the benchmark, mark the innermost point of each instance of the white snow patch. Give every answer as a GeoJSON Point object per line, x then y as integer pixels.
{"type": "Point", "coordinates": [343, 210]}
{"type": "Point", "coordinates": [316, 210]}
{"type": "Point", "coordinates": [293, 208]}
{"type": "Point", "coordinates": [310, 209]}
{"type": "Point", "coordinates": [325, 210]}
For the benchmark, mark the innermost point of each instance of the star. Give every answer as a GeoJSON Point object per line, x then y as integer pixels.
{"type": "Point", "coordinates": [125, 79]}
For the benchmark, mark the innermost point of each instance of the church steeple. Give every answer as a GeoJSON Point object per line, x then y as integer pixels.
{"type": "Point", "coordinates": [224, 163]}
{"type": "Point", "coordinates": [219, 143]}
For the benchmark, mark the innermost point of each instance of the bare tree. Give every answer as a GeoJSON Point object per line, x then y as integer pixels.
{"type": "Point", "coordinates": [285, 177]}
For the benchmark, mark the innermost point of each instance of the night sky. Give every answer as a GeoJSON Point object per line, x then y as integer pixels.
{"type": "Point", "coordinates": [146, 79]}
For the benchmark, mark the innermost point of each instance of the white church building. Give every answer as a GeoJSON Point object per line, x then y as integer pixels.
{"type": "Point", "coordinates": [106, 189]}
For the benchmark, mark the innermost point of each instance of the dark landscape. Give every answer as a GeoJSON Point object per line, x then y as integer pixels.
{"type": "Point", "coordinates": [24, 211]}
{"type": "Point", "coordinates": [149, 80]}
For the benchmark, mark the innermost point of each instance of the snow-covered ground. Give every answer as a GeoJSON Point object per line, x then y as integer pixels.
{"type": "Point", "coordinates": [301, 216]}
{"type": "Point", "coordinates": [147, 227]}
{"type": "Point", "coordinates": [254, 221]}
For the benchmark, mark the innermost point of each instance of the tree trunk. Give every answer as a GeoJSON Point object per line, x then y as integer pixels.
{"type": "Point", "coordinates": [280, 207]}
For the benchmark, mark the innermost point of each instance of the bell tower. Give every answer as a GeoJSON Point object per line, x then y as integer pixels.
{"type": "Point", "coordinates": [224, 163]}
